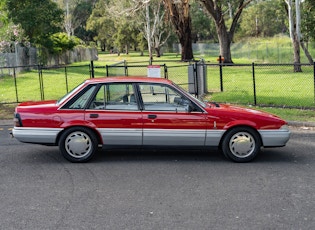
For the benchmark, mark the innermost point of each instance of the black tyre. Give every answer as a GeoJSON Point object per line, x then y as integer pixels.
{"type": "Point", "coordinates": [241, 144]}
{"type": "Point", "coordinates": [78, 144]}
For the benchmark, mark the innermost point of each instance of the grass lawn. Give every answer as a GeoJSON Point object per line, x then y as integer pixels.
{"type": "Point", "coordinates": [275, 85]}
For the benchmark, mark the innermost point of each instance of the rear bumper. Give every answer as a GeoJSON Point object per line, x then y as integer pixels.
{"type": "Point", "coordinates": [274, 138]}
{"type": "Point", "coordinates": [36, 135]}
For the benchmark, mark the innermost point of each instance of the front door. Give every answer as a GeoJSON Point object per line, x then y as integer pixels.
{"type": "Point", "coordinates": [170, 118]}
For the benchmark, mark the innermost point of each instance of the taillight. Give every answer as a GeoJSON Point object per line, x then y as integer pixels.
{"type": "Point", "coordinates": [17, 120]}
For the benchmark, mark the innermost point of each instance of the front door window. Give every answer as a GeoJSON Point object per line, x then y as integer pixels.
{"type": "Point", "coordinates": [158, 97]}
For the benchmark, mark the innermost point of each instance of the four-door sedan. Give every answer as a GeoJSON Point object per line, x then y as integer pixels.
{"type": "Point", "coordinates": [144, 112]}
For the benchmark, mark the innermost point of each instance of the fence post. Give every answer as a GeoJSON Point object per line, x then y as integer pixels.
{"type": "Point", "coordinates": [314, 79]}
{"type": "Point", "coordinates": [66, 76]}
{"type": "Point", "coordinates": [221, 73]}
{"type": "Point", "coordinates": [254, 83]}
{"type": "Point", "coordinates": [92, 69]}
{"type": "Point", "coordinates": [165, 72]}
{"type": "Point", "coordinates": [106, 70]}
{"type": "Point", "coordinates": [41, 84]}
{"type": "Point", "coordinates": [15, 84]}
{"type": "Point", "coordinates": [196, 79]}
{"type": "Point", "coordinates": [126, 68]}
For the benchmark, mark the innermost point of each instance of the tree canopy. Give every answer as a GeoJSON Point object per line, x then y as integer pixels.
{"type": "Point", "coordinates": [308, 20]}
{"type": "Point", "coordinates": [114, 26]}
{"type": "Point", "coordinates": [38, 18]}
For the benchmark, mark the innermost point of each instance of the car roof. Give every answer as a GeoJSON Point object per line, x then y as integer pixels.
{"type": "Point", "coordinates": [127, 79]}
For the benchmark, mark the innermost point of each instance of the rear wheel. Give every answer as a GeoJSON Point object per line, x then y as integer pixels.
{"type": "Point", "coordinates": [241, 144]}
{"type": "Point", "coordinates": [78, 144]}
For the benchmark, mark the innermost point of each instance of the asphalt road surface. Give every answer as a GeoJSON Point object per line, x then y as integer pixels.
{"type": "Point", "coordinates": [134, 189]}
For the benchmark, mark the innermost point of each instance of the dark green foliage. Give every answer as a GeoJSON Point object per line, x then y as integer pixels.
{"type": "Point", "coordinates": [263, 19]}
{"type": "Point", "coordinates": [60, 42]}
{"type": "Point", "coordinates": [38, 18]}
{"type": "Point", "coordinates": [308, 20]}
{"type": "Point", "coordinates": [81, 13]}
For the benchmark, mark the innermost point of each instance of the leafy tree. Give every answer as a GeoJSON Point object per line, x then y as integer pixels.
{"type": "Point", "coordinates": [76, 14]}
{"type": "Point", "coordinates": [3, 14]}
{"type": "Point", "coordinates": [256, 18]}
{"type": "Point", "coordinates": [217, 9]}
{"type": "Point", "coordinates": [114, 25]}
{"type": "Point", "coordinates": [308, 20]}
{"type": "Point", "coordinates": [38, 18]}
{"type": "Point", "coordinates": [203, 28]}
{"type": "Point", "coordinates": [81, 14]}
{"type": "Point", "coordinates": [123, 37]}
{"type": "Point", "coordinates": [149, 16]}
{"type": "Point", "coordinates": [103, 25]}
{"type": "Point", "coordinates": [179, 15]}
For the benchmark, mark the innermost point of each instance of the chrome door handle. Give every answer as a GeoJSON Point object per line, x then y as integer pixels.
{"type": "Point", "coordinates": [152, 116]}
{"type": "Point", "coordinates": [94, 115]}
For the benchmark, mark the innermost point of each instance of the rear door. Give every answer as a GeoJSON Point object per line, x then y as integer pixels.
{"type": "Point", "coordinates": [115, 113]}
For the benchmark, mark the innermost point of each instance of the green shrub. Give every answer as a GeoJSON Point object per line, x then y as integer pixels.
{"type": "Point", "coordinates": [61, 42]}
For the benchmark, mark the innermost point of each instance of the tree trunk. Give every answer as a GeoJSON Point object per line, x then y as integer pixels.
{"type": "Point", "coordinates": [186, 44]}
{"type": "Point", "coordinates": [127, 49]}
{"type": "Point", "coordinates": [307, 53]}
{"type": "Point", "coordinates": [158, 51]}
{"type": "Point", "coordinates": [294, 38]}
{"type": "Point", "coordinates": [225, 44]}
{"type": "Point", "coordinates": [297, 56]}
{"type": "Point", "coordinates": [148, 30]}
{"type": "Point", "coordinates": [103, 46]}
{"type": "Point", "coordinates": [181, 20]}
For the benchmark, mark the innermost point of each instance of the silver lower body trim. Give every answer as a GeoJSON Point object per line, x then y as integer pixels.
{"type": "Point", "coordinates": [213, 137]}
{"type": "Point", "coordinates": [121, 136]}
{"type": "Point", "coordinates": [158, 137]}
{"type": "Point", "coordinates": [174, 137]}
{"type": "Point", "coordinates": [36, 135]}
{"type": "Point", "coordinates": [274, 138]}
{"type": "Point", "coordinates": [161, 137]}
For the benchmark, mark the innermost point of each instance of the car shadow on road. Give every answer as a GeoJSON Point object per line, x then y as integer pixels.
{"type": "Point", "coordinates": [275, 155]}
{"type": "Point", "coordinates": [266, 155]}
{"type": "Point", "coordinates": [157, 155]}
{"type": "Point", "coordinates": [52, 154]}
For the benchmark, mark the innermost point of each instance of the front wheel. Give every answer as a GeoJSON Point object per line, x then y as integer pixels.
{"type": "Point", "coordinates": [241, 144]}
{"type": "Point", "coordinates": [78, 144]}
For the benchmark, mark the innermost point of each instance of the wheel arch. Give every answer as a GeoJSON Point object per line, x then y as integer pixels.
{"type": "Point", "coordinates": [97, 134]}
{"type": "Point", "coordinates": [241, 126]}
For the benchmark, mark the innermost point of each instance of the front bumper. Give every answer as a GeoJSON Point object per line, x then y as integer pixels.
{"type": "Point", "coordinates": [275, 138]}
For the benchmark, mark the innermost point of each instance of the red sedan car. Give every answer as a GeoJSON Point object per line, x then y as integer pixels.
{"type": "Point", "coordinates": [144, 112]}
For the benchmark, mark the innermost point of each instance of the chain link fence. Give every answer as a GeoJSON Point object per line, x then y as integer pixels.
{"type": "Point", "coordinates": [276, 85]}
{"type": "Point", "coordinates": [252, 84]}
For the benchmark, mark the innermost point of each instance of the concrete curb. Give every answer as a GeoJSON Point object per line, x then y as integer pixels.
{"type": "Point", "coordinates": [6, 122]}
{"type": "Point", "coordinates": [301, 124]}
